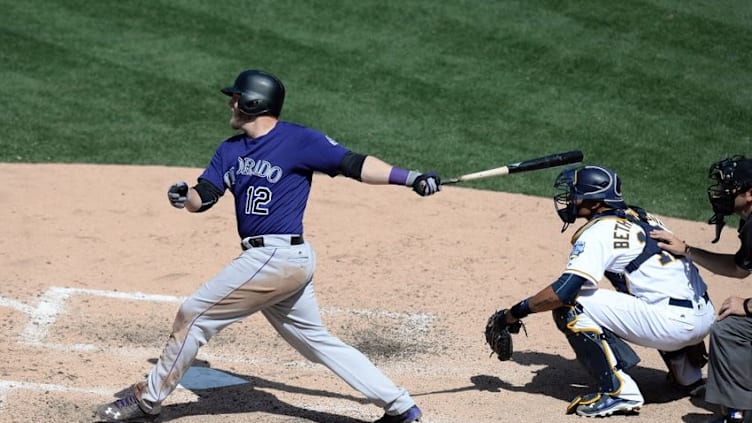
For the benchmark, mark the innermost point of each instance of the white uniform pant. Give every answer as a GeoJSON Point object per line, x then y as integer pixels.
{"type": "Point", "coordinates": [276, 280]}
{"type": "Point", "coordinates": [659, 325]}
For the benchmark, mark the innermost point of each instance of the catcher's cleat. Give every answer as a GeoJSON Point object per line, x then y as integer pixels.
{"type": "Point", "coordinates": [601, 405]}
{"type": "Point", "coordinates": [130, 408]}
{"type": "Point", "coordinates": [412, 415]}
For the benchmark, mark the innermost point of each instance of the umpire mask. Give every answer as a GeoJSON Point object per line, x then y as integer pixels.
{"type": "Point", "coordinates": [731, 176]}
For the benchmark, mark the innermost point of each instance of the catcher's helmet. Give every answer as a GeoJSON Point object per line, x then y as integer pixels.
{"type": "Point", "coordinates": [585, 183]}
{"type": "Point", "coordinates": [731, 176]}
{"type": "Point", "coordinates": [261, 93]}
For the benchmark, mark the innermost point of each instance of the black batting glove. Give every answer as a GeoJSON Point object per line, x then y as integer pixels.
{"type": "Point", "coordinates": [427, 184]}
{"type": "Point", "coordinates": [178, 194]}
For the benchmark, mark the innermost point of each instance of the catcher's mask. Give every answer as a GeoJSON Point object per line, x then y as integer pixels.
{"type": "Point", "coordinates": [731, 176]}
{"type": "Point", "coordinates": [585, 183]}
{"type": "Point", "coordinates": [261, 93]}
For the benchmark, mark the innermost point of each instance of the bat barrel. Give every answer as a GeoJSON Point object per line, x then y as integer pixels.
{"type": "Point", "coordinates": [544, 162]}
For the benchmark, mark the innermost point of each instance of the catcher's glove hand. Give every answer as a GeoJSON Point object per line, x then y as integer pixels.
{"type": "Point", "coordinates": [499, 334]}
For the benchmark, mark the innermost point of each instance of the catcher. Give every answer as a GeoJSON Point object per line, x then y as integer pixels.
{"type": "Point", "coordinates": [660, 300]}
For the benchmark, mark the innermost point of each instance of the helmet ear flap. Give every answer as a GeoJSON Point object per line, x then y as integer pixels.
{"type": "Point", "coordinates": [249, 106]}
{"type": "Point", "coordinates": [617, 185]}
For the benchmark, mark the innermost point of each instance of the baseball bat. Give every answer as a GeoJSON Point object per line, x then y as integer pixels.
{"type": "Point", "coordinates": [545, 162]}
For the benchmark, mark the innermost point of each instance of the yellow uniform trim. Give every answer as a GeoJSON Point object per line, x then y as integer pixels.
{"type": "Point", "coordinates": [604, 346]}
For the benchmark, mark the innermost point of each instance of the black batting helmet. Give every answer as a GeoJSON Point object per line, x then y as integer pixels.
{"type": "Point", "coordinates": [261, 93]}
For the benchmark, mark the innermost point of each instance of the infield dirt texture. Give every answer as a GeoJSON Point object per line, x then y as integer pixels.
{"type": "Point", "coordinates": [95, 262]}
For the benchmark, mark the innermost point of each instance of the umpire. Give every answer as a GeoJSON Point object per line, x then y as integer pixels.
{"type": "Point", "coordinates": [730, 370]}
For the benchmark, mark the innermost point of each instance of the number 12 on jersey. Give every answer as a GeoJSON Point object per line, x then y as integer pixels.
{"type": "Point", "coordinates": [257, 199]}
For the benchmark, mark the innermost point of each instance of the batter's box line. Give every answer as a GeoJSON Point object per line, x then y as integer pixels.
{"type": "Point", "coordinates": [180, 395]}
{"type": "Point", "coordinates": [8, 385]}
{"type": "Point", "coordinates": [52, 303]}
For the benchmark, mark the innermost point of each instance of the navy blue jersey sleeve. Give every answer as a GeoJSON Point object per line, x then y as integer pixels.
{"type": "Point", "coordinates": [322, 153]}
{"type": "Point", "coordinates": [219, 169]}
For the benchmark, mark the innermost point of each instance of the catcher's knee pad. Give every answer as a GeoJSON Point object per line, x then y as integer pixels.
{"type": "Point", "coordinates": [563, 316]}
{"type": "Point", "coordinates": [591, 345]}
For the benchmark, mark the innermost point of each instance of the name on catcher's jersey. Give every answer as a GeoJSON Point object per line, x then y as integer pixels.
{"type": "Point", "coordinates": [270, 176]}
{"type": "Point", "coordinates": [611, 243]}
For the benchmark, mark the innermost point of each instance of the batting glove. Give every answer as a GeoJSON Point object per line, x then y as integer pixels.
{"type": "Point", "coordinates": [178, 194]}
{"type": "Point", "coordinates": [427, 184]}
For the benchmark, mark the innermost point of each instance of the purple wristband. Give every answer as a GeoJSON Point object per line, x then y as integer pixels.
{"type": "Point", "coordinates": [398, 176]}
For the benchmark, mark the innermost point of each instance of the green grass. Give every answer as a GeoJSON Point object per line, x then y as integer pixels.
{"type": "Point", "coordinates": [655, 89]}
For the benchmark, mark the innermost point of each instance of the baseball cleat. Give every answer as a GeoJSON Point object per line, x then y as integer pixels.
{"type": "Point", "coordinates": [412, 415]}
{"type": "Point", "coordinates": [602, 405]}
{"type": "Point", "coordinates": [127, 409]}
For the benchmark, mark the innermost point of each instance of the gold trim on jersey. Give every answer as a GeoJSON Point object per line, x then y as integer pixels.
{"type": "Point", "coordinates": [605, 347]}
{"type": "Point", "coordinates": [591, 222]}
{"type": "Point", "coordinates": [587, 276]}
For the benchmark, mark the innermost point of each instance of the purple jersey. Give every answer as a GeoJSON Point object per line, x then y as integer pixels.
{"type": "Point", "coordinates": [270, 176]}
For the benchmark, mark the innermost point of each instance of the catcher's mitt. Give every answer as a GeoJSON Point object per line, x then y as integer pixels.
{"type": "Point", "coordinates": [499, 334]}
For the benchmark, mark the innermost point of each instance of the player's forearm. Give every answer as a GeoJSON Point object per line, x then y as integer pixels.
{"type": "Point", "coordinates": [375, 171]}
{"type": "Point", "coordinates": [194, 201]}
{"type": "Point", "coordinates": [720, 264]}
{"type": "Point", "coordinates": [545, 300]}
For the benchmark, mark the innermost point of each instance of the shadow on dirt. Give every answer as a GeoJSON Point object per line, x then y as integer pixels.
{"type": "Point", "coordinates": [253, 397]}
{"type": "Point", "coordinates": [565, 379]}
{"type": "Point", "coordinates": [556, 377]}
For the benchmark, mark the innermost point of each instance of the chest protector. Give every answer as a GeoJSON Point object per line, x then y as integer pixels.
{"type": "Point", "coordinates": [637, 216]}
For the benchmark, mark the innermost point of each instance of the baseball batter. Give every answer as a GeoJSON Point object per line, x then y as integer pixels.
{"type": "Point", "coordinates": [660, 299]}
{"type": "Point", "coordinates": [268, 169]}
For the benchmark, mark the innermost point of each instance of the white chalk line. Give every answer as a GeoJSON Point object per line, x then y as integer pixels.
{"type": "Point", "coordinates": [53, 301]}
{"type": "Point", "coordinates": [179, 395]}
{"type": "Point", "coordinates": [17, 305]}
{"type": "Point", "coordinates": [32, 386]}
{"type": "Point", "coordinates": [8, 385]}
{"type": "Point", "coordinates": [52, 304]}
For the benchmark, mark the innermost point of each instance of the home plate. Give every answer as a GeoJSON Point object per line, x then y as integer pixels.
{"type": "Point", "coordinates": [208, 378]}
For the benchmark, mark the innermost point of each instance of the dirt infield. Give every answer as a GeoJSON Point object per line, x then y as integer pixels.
{"type": "Point", "coordinates": [95, 263]}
